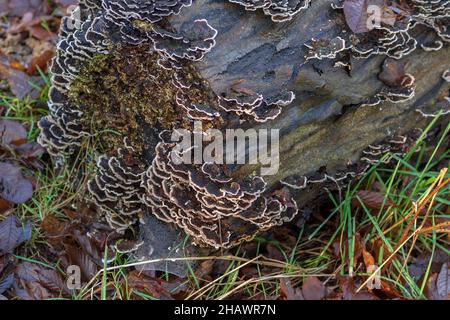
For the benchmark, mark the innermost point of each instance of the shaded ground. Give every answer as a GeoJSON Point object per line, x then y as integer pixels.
{"type": "Point", "coordinates": [386, 237]}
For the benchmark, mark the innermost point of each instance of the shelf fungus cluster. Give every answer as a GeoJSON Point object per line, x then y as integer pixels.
{"type": "Point", "coordinates": [390, 28]}
{"type": "Point", "coordinates": [278, 10]}
{"type": "Point", "coordinates": [395, 146]}
{"type": "Point", "coordinates": [212, 207]}
{"type": "Point", "coordinates": [395, 28]}
{"type": "Point", "coordinates": [97, 84]}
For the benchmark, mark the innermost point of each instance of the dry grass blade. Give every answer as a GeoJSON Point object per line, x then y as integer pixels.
{"type": "Point", "coordinates": [428, 199]}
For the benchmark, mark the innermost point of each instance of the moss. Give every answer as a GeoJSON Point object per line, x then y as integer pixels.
{"type": "Point", "coordinates": [128, 95]}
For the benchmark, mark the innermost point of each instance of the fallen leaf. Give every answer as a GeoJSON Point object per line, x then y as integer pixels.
{"type": "Point", "coordinates": [355, 12]}
{"type": "Point", "coordinates": [36, 282]}
{"type": "Point", "coordinates": [204, 269]}
{"type": "Point", "coordinates": [20, 7]}
{"type": "Point", "coordinates": [4, 206]}
{"type": "Point", "coordinates": [40, 33]}
{"type": "Point", "coordinates": [90, 246]}
{"type": "Point", "coordinates": [20, 83]}
{"type": "Point", "coordinates": [40, 62]}
{"type": "Point", "coordinates": [342, 245]}
{"type": "Point", "coordinates": [139, 281]}
{"type": "Point", "coordinates": [17, 65]}
{"type": "Point", "coordinates": [13, 234]}
{"type": "Point", "coordinates": [273, 252]}
{"type": "Point", "coordinates": [30, 150]}
{"type": "Point", "coordinates": [14, 187]}
{"type": "Point", "coordinates": [313, 289]}
{"type": "Point", "coordinates": [372, 200]}
{"type": "Point", "coordinates": [80, 258]}
{"type": "Point", "coordinates": [443, 282]}
{"type": "Point", "coordinates": [6, 282]}
{"type": "Point", "coordinates": [369, 260]}
{"type": "Point", "coordinates": [65, 4]}
{"type": "Point", "coordinates": [393, 72]}
{"type": "Point", "coordinates": [288, 292]}
{"type": "Point", "coordinates": [6, 273]}
{"type": "Point", "coordinates": [54, 228]}
{"type": "Point", "coordinates": [431, 289]}
{"type": "Point", "coordinates": [390, 291]}
{"type": "Point", "coordinates": [349, 290]}
{"type": "Point", "coordinates": [12, 134]}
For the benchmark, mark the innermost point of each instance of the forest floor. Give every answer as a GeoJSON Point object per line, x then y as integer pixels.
{"type": "Point", "coordinates": [387, 236]}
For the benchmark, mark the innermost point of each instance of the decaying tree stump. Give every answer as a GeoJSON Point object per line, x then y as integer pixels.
{"type": "Point", "coordinates": [128, 69]}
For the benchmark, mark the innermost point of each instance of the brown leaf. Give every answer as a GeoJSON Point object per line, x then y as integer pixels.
{"type": "Point", "coordinates": [30, 150]}
{"type": "Point", "coordinates": [357, 15]}
{"type": "Point", "coordinates": [13, 234]}
{"type": "Point", "coordinates": [80, 258]}
{"type": "Point", "coordinates": [4, 206]}
{"type": "Point", "coordinates": [338, 245]}
{"type": "Point", "coordinates": [40, 62]}
{"type": "Point", "coordinates": [54, 228]}
{"type": "Point", "coordinates": [20, 7]}
{"type": "Point", "coordinates": [64, 4]}
{"type": "Point", "coordinates": [355, 12]}
{"type": "Point", "coordinates": [430, 287]}
{"type": "Point", "coordinates": [287, 292]}
{"type": "Point", "coordinates": [19, 82]}
{"type": "Point", "coordinates": [273, 252]}
{"type": "Point", "coordinates": [390, 291]}
{"type": "Point", "coordinates": [372, 200]}
{"type": "Point", "coordinates": [36, 282]}
{"type": "Point", "coordinates": [349, 290]}
{"type": "Point", "coordinates": [91, 246]}
{"type": "Point", "coordinates": [443, 282]}
{"type": "Point", "coordinates": [393, 72]}
{"type": "Point", "coordinates": [40, 33]}
{"type": "Point", "coordinates": [17, 65]}
{"type": "Point", "coordinates": [14, 187]}
{"type": "Point", "coordinates": [6, 272]}
{"type": "Point", "coordinates": [369, 260]}
{"type": "Point", "coordinates": [139, 281]}
{"type": "Point", "coordinates": [313, 289]}
{"type": "Point", "coordinates": [204, 269]}
{"type": "Point", "coordinates": [12, 134]}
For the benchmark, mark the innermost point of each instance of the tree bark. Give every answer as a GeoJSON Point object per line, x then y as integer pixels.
{"type": "Point", "coordinates": [324, 126]}
{"type": "Point", "coordinates": [324, 132]}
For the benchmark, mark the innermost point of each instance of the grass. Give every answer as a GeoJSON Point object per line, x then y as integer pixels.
{"type": "Point", "coordinates": [413, 220]}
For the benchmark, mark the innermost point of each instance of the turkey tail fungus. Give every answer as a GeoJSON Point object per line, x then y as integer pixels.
{"type": "Point", "coordinates": [340, 94]}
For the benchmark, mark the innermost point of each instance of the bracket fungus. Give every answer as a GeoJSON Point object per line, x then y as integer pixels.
{"type": "Point", "coordinates": [208, 204]}
{"type": "Point", "coordinates": [391, 28]}
{"type": "Point", "coordinates": [278, 10]}
{"type": "Point", "coordinates": [396, 145]}
{"type": "Point", "coordinates": [137, 174]}
{"type": "Point", "coordinates": [128, 73]}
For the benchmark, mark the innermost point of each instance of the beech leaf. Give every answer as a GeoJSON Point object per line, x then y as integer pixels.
{"type": "Point", "coordinates": [355, 12]}
{"type": "Point", "coordinates": [13, 234]}
{"type": "Point", "coordinates": [14, 187]}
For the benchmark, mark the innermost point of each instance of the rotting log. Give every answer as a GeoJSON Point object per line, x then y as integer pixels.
{"type": "Point", "coordinates": [169, 63]}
